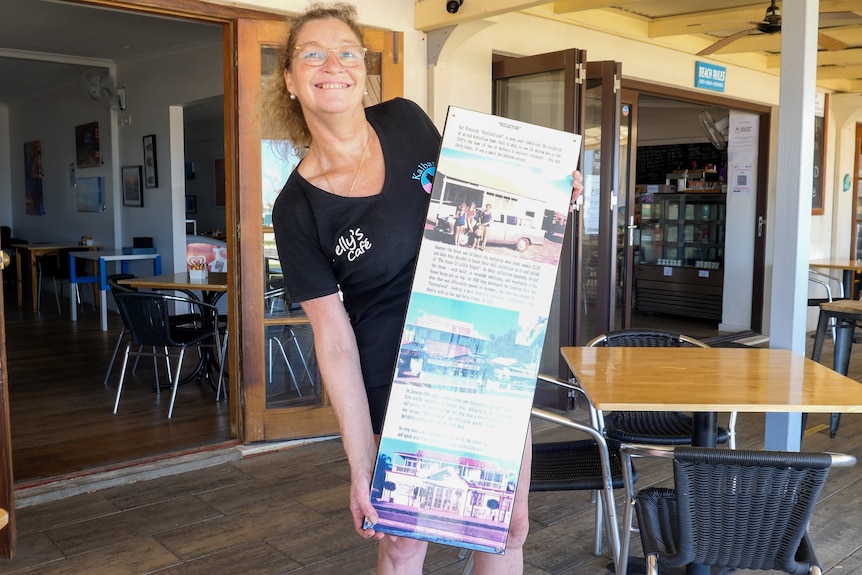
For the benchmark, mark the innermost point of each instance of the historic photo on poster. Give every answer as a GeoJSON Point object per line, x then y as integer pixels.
{"type": "Point", "coordinates": [459, 409]}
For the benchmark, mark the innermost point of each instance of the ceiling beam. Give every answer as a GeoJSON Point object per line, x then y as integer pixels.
{"type": "Point", "coordinates": [849, 57]}
{"type": "Point", "coordinates": [839, 72]}
{"type": "Point", "coordinates": [707, 21]}
{"type": "Point", "coordinates": [431, 14]}
{"type": "Point", "coordinates": [737, 18]}
{"type": "Point", "coordinates": [569, 6]}
{"type": "Point", "coordinates": [758, 42]}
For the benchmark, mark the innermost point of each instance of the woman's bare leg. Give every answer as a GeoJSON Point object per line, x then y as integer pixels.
{"type": "Point", "coordinates": [512, 563]}
{"type": "Point", "coordinates": [400, 556]}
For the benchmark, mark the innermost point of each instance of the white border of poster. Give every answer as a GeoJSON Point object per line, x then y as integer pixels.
{"type": "Point", "coordinates": [459, 409]}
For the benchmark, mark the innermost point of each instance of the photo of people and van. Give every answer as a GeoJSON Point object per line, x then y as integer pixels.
{"type": "Point", "coordinates": [477, 217]}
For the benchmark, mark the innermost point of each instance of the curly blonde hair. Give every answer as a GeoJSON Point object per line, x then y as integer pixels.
{"type": "Point", "coordinates": [281, 117]}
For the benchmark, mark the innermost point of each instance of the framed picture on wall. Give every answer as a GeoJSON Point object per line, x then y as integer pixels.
{"type": "Point", "coordinates": [821, 104]}
{"type": "Point", "coordinates": [191, 204]}
{"type": "Point", "coordinates": [151, 174]}
{"type": "Point", "coordinates": [133, 194]}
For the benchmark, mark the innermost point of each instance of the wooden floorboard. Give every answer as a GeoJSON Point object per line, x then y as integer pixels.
{"type": "Point", "coordinates": [282, 512]}
{"type": "Point", "coordinates": [285, 512]}
{"type": "Point", "coordinates": [62, 413]}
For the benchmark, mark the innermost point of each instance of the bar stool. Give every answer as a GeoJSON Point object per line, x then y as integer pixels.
{"type": "Point", "coordinates": [846, 315]}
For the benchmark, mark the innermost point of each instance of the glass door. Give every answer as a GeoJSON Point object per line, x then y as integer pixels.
{"type": "Point", "coordinates": [602, 200]}
{"type": "Point", "coordinates": [282, 396]}
{"type": "Point", "coordinates": [628, 217]}
{"type": "Point", "coordinates": [547, 89]}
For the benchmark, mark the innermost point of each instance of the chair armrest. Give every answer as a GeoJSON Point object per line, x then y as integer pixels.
{"type": "Point", "coordinates": [597, 418]}
{"type": "Point", "coordinates": [203, 307]}
{"type": "Point", "coordinates": [826, 281]}
{"type": "Point", "coordinates": [842, 459]}
{"type": "Point", "coordinates": [604, 456]}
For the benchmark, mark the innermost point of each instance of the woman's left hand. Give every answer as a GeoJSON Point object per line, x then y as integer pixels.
{"type": "Point", "coordinates": [577, 188]}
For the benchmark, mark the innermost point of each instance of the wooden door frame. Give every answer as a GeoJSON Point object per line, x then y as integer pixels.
{"type": "Point", "coordinates": [193, 10]}
{"type": "Point", "coordinates": [8, 535]}
{"type": "Point", "coordinates": [764, 113]}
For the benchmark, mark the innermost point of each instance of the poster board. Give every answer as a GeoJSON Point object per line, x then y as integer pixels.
{"type": "Point", "coordinates": [459, 408]}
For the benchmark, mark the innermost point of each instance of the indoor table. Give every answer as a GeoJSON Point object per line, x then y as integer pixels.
{"type": "Point", "coordinates": [103, 257]}
{"type": "Point", "coordinates": [708, 380]}
{"type": "Point", "coordinates": [211, 290]}
{"type": "Point", "coordinates": [33, 252]}
{"type": "Point", "coordinates": [849, 268]}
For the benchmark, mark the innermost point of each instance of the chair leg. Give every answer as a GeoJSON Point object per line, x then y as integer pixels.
{"type": "Point", "coordinates": [834, 421]}
{"type": "Point", "coordinates": [301, 355]}
{"type": "Point", "coordinates": [122, 377]}
{"type": "Point", "coordinates": [599, 528]}
{"type": "Point", "coordinates": [114, 356]}
{"type": "Point", "coordinates": [468, 566]}
{"type": "Point", "coordinates": [731, 430]}
{"type": "Point", "coordinates": [289, 367]}
{"type": "Point", "coordinates": [626, 544]}
{"type": "Point", "coordinates": [222, 355]}
{"type": "Point", "coordinates": [57, 296]}
{"type": "Point", "coordinates": [176, 381]}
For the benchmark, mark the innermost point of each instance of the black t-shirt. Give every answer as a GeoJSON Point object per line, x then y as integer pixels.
{"type": "Point", "coordinates": [367, 246]}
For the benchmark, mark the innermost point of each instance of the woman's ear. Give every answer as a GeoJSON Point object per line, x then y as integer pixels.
{"type": "Point", "coordinates": [288, 82]}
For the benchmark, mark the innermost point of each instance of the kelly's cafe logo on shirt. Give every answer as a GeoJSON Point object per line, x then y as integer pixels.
{"type": "Point", "coordinates": [355, 243]}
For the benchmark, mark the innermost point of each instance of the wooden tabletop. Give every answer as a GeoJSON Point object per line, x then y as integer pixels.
{"type": "Point", "coordinates": [710, 379]}
{"type": "Point", "coordinates": [836, 264]}
{"type": "Point", "coordinates": [216, 281]}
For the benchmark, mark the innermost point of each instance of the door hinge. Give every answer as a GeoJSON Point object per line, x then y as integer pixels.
{"type": "Point", "coordinates": [580, 73]}
{"type": "Point", "coordinates": [761, 221]}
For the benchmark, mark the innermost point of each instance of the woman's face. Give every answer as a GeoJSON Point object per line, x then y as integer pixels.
{"type": "Point", "coordinates": [331, 87]}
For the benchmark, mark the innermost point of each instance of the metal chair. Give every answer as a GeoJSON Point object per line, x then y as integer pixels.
{"type": "Point", "coordinates": [823, 284]}
{"type": "Point", "coordinates": [654, 427]}
{"type": "Point", "coordinates": [55, 265]}
{"type": "Point", "coordinates": [593, 464]}
{"type": "Point", "coordinates": [148, 319]}
{"type": "Point", "coordinates": [186, 319]}
{"type": "Point", "coordinates": [276, 302]}
{"type": "Point", "coordinates": [731, 509]}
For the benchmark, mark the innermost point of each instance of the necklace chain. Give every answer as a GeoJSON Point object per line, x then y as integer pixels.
{"type": "Point", "coordinates": [358, 168]}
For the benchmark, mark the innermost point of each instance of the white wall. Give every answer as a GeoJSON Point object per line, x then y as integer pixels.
{"type": "Point", "coordinates": [152, 87]}
{"type": "Point", "coordinates": [51, 119]}
{"type": "Point", "coordinates": [204, 142]}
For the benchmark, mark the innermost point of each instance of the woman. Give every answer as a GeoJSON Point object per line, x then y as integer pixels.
{"type": "Point", "coordinates": [460, 222]}
{"type": "Point", "coordinates": [348, 225]}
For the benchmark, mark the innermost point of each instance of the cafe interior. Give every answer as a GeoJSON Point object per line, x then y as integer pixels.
{"type": "Point", "coordinates": [132, 143]}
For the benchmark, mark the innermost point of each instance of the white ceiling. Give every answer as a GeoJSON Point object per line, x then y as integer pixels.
{"type": "Point", "coordinates": [46, 44]}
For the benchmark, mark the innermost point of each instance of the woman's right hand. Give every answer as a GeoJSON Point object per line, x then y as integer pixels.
{"type": "Point", "coordinates": [360, 506]}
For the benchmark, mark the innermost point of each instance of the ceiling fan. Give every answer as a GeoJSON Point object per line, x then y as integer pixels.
{"type": "Point", "coordinates": [771, 24]}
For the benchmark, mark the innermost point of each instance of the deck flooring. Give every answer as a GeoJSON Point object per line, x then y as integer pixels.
{"type": "Point", "coordinates": [285, 511]}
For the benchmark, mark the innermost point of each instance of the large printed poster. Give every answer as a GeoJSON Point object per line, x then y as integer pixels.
{"type": "Point", "coordinates": [455, 428]}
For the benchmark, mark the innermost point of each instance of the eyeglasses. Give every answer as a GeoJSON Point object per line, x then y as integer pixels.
{"type": "Point", "coordinates": [348, 55]}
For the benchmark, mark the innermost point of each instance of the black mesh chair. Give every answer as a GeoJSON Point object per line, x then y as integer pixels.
{"type": "Point", "coordinates": [654, 427]}
{"type": "Point", "coordinates": [148, 319]}
{"type": "Point", "coordinates": [733, 509]}
{"type": "Point", "coordinates": [183, 319]}
{"type": "Point", "coordinates": [593, 464]}
{"type": "Point", "coordinates": [55, 266]}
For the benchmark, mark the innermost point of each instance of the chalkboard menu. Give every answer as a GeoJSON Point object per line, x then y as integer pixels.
{"type": "Point", "coordinates": [655, 162]}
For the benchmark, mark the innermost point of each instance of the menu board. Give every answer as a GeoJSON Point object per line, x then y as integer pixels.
{"type": "Point", "coordinates": [655, 162]}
